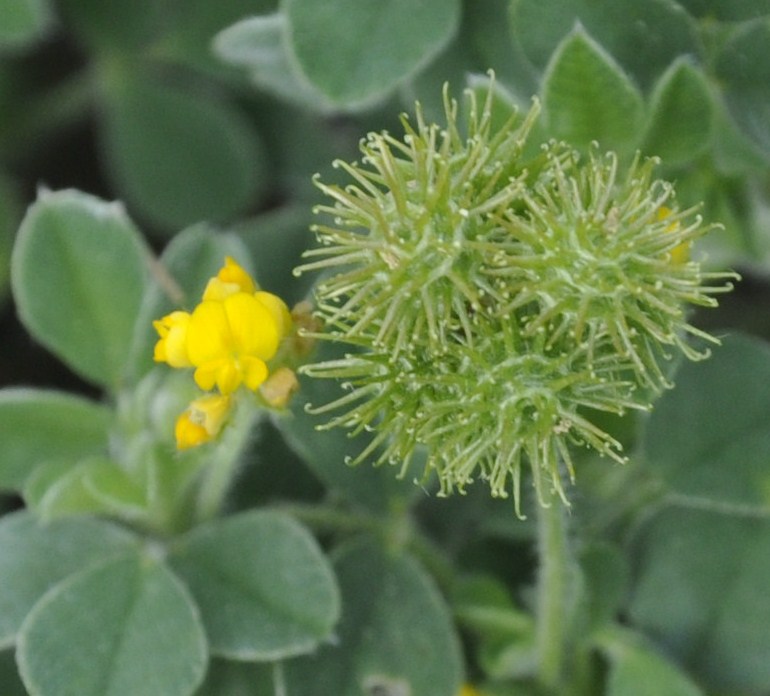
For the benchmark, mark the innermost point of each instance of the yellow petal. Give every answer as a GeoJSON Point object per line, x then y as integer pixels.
{"type": "Point", "coordinates": [171, 348]}
{"type": "Point", "coordinates": [230, 279]}
{"type": "Point", "coordinates": [189, 434]}
{"type": "Point", "coordinates": [223, 374]}
{"type": "Point", "coordinates": [202, 421]}
{"type": "Point", "coordinates": [277, 307]}
{"type": "Point", "coordinates": [208, 334]}
{"type": "Point", "coordinates": [253, 328]}
{"type": "Point", "coordinates": [254, 372]}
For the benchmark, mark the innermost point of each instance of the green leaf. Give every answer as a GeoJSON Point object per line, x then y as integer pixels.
{"type": "Point", "coordinates": [177, 154]}
{"type": "Point", "coordinates": [77, 271]}
{"type": "Point", "coordinates": [35, 557]}
{"type": "Point", "coordinates": [708, 438]}
{"type": "Point", "coordinates": [605, 575]}
{"type": "Point", "coordinates": [95, 485]}
{"type": "Point", "coordinates": [39, 426]}
{"type": "Point", "coordinates": [701, 592]}
{"type": "Point", "coordinates": [587, 97]}
{"type": "Point", "coordinates": [23, 21]}
{"type": "Point", "coordinates": [743, 68]}
{"type": "Point", "coordinates": [124, 627]}
{"type": "Point", "coordinates": [638, 670]}
{"type": "Point", "coordinates": [396, 635]}
{"type": "Point", "coordinates": [260, 45]}
{"type": "Point", "coordinates": [356, 51]}
{"type": "Point", "coordinates": [483, 604]}
{"type": "Point", "coordinates": [644, 37]}
{"type": "Point", "coordinates": [727, 10]}
{"type": "Point", "coordinates": [682, 115]}
{"type": "Point", "coordinates": [264, 588]}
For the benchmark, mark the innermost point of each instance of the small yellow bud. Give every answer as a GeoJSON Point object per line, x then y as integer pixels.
{"type": "Point", "coordinates": [202, 421]}
{"type": "Point", "coordinates": [231, 278]}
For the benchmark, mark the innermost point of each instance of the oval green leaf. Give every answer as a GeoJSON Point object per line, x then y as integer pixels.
{"type": "Point", "coordinates": [356, 51]}
{"type": "Point", "coordinates": [743, 68]}
{"type": "Point", "coordinates": [708, 438]}
{"type": "Point", "coordinates": [396, 635]}
{"type": "Point", "coordinates": [177, 155]}
{"type": "Point", "coordinates": [38, 426]}
{"type": "Point", "coordinates": [126, 626]}
{"type": "Point", "coordinates": [636, 669]}
{"type": "Point", "coordinates": [682, 115]}
{"type": "Point", "coordinates": [259, 44]}
{"type": "Point", "coordinates": [644, 37]}
{"type": "Point", "coordinates": [700, 591]}
{"type": "Point", "coordinates": [264, 588]}
{"type": "Point", "coordinates": [35, 557]}
{"type": "Point", "coordinates": [587, 97]}
{"type": "Point", "coordinates": [77, 272]}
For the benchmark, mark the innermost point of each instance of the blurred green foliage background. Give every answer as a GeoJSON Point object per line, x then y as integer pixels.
{"type": "Point", "coordinates": [211, 117]}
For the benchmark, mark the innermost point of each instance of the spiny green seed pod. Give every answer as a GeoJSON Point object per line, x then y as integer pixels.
{"type": "Point", "coordinates": [494, 302]}
{"type": "Point", "coordinates": [407, 229]}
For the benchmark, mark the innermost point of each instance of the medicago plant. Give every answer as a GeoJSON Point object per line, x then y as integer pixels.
{"type": "Point", "coordinates": [494, 296]}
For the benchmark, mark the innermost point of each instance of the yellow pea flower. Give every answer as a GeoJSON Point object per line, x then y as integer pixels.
{"type": "Point", "coordinates": [230, 341]}
{"type": "Point", "coordinates": [229, 336]}
{"type": "Point", "coordinates": [202, 421]}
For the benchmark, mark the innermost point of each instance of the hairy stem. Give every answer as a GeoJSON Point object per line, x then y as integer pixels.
{"type": "Point", "coordinates": [553, 595]}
